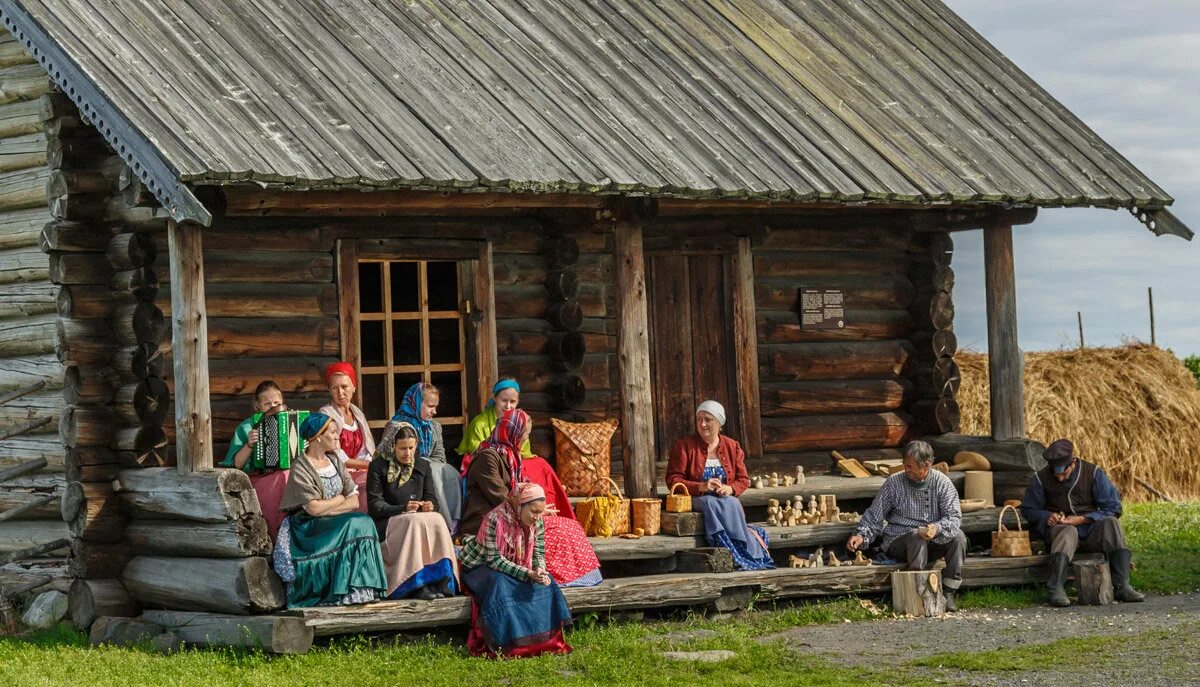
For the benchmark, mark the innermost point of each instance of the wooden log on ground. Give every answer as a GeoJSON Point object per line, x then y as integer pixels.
{"type": "Point", "coordinates": [274, 634]}
{"type": "Point", "coordinates": [83, 342]}
{"type": "Point", "coordinates": [807, 433]}
{"type": "Point", "coordinates": [93, 560]}
{"type": "Point", "coordinates": [90, 599]}
{"type": "Point", "coordinates": [70, 237]}
{"type": "Point", "coordinates": [93, 512]}
{"type": "Point", "coordinates": [246, 536]}
{"type": "Point", "coordinates": [23, 264]}
{"type": "Point", "coordinates": [84, 302]}
{"type": "Point", "coordinates": [130, 251]}
{"type": "Point", "coordinates": [148, 444]}
{"type": "Point", "coordinates": [80, 268]}
{"type": "Point", "coordinates": [1093, 581]}
{"type": "Point", "coordinates": [1019, 455]}
{"type": "Point", "coordinates": [207, 496]}
{"type": "Point", "coordinates": [139, 323]}
{"type": "Point", "coordinates": [238, 586]}
{"type": "Point", "coordinates": [135, 363]}
{"type": "Point", "coordinates": [839, 360]}
{"type": "Point", "coordinates": [918, 593]}
{"type": "Point", "coordinates": [785, 399]}
{"type": "Point", "coordinates": [117, 631]}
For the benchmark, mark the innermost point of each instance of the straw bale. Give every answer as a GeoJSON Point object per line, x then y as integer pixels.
{"type": "Point", "coordinates": [1134, 410]}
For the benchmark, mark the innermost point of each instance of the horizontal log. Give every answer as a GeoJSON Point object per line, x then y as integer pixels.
{"type": "Point", "coordinates": [87, 426]}
{"type": "Point", "coordinates": [93, 560]}
{"type": "Point", "coordinates": [23, 82]}
{"type": "Point", "coordinates": [261, 235]}
{"type": "Point", "coordinates": [80, 268]}
{"type": "Point", "coordinates": [530, 270]}
{"type": "Point", "coordinates": [939, 416]}
{"type": "Point", "coordinates": [24, 264]}
{"type": "Point", "coordinates": [84, 302]}
{"type": "Point", "coordinates": [20, 118]}
{"type": "Point", "coordinates": [835, 360]}
{"type": "Point", "coordinates": [874, 292]}
{"type": "Point", "coordinates": [246, 536]}
{"type": "Point", "coordinates": [534, 301]}
{"type": "Point", "coordinates": [78, 207]}
{"type": "Point", "coordinates": [18, 373]}
{"type": "Point", "coordinates": [89, 385]}
{"type": "Point", "coordinates": [225, 585]}
{"type": "Point", "coordinates": [20, 228]}
{"type": "Point", "coordinates": [18, 493]}
{"type": "Point", "coordinates": [23, 299]}
{"type": "Point", "coordinates": [82, 472]}
{"type": "Point", "coordinates": [933, 278]}
{"type": "Point", "coordinates": [17, 535]}
{"type": "Point", "coordinates": [785, 399]}
{"type": "Point", "coordinates": [534, 337]}
{"type": "Point", "coordinates": [76, 149]}
{"type": "Point", "coordinates": [27, 336]}
{"type": "Point", "coordinates": [208, 496]}
{"type": "Point", "coordinates": [134, 191]}
{"type": "Point", "coordinates": [802, 264]}
{"type": "Point", "coordinates": [93, 512]}
{"type": "Point", "coordinates": [239, 376]}
{"type": "Point", "coordinates": [90, 599]}
{"type": "Point", "coordinates": [937, 379]}
{"type": "Point", "coordinates": [264, 300]}
{"type": "Point", "coordinates": [83, 342]}
{"type": "Point", "coordinates": [801, 233]}
{"type": "Point", "coordinates": [939, 343]}
{"type": "Point", "coordinates": [135, 285]}
{"type": "Point", "coordinates": [43, 404]}
{"type": "Point", "coordinates": [1016, 455]}
{"type": "Point", "coordinates": [135, 363]}
{"type": "Point", "coordinates": [139, 323]}
{"type": "Point", "coordinates": [273, 634]}
{"type": "Point", "coordinates": [25, 188]}
{"type": "Point", "coordinates": [148, 444]}
{"type": "Point", "coordinates": [537, 374]}
{"type": "Point", "coordinates": [49, 574]}
{"type": "Point", "coordinates": [144, 403]}
{"type": "Point", "coordinates": [935, 311]}
{"type": "Point", "coordinates": [812, 432]}
{"type": "Point", "coordinates": [271, 337]}
{"type": "Point", "coordinates": [78, 182]}
{"type": "Point", "coordinates": [130, 251]}
{"type": "Point", "coordinates": [22, 152]}
{"type": "Point", "coordinates": [282, 267]}
{"type": "Point", "coordinates": [21, 449]}
{"type": "Point", "coordinates": [229, 411]}
{"type": "Point", "coordinates": [784, 327]}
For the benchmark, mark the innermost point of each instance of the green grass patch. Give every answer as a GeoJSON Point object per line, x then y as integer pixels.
{"type": "Point", "coordinates": [1001, 597]}
{"type": "Point", "coordinates": [1165, 539]}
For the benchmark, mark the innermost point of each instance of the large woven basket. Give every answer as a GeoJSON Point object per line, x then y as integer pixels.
{"type": "Point", "coordinates": [1008, 543]}
{"type": "Point", "coordinates": [647, 515]}
{"type": "Point", "coordinates": [679, 503]}
{"type": "Point", "coordinates": [606, 515]}
{"type": "Point", "coordinates": [582, 455]}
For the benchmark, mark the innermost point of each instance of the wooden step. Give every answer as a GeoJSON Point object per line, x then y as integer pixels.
{"type": "Point", "coordinates": [664, 591]}
{"type": "Point", "coordinates": [779, 538]}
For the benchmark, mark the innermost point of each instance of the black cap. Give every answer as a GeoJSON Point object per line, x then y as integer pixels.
{"type": "Point", "coordinates": [1060, 454]}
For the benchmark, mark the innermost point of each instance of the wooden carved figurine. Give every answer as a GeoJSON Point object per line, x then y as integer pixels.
{"type": "Point", "coordinates": [774, 479]}
{"type": "Point", "coordinates": [800, 475]}
{"type": "Point", "coordinates": [797, 562]}
{"type": "Point", "coordinates": [773, 512]}
{"type": "Point", "coordinates": [756, 483]}
{"type": "Point", "coordinates": [860, 559]}
{"type": "Point", "coordinates": [817, 559]}
{"type": "Point", "coordinates": [833, 561]}
{"type": "Point", "coordinates": [787, 480]}
{"type": "Point", "coordinates": [812, 503]}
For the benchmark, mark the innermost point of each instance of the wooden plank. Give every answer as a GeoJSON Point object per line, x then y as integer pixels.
{"type": "Point", "coordinates": [745, 342]}
{"type": "Point", "coordinates": [275, 337]}
{"type": "Point", "coordinates": [483, 292]}
{"type": "Point", "coordinates": [189, 349]}
{"type": "Point", "coordinates": [835, 360]}
{"type": "Point", "coordinates": [264, 300]}
{"type": "Point", "coordinates": [1006, 363]}
{"type": "Point", "coordinates": [881, 291]}
{"type": "Point", "coordinates": [811, 432]}
{"type": "Point", "coordinates": [777, 326]}
{"type": "Point", "coordinates": [669, 310]}
{"type": "Point", "coordinates": [711, 337]}
{"type": "Point", "coordinates": [23, 299]}
{"type": "Point", "coordinates": [20, 118]}
{"type": "Point", "coordinates": [786, 399]}
{"type": "Point", "coordinates": [282, 267]}
{"type": "Point", "coordinates": [258, 202]}
{"type": "Point", "coordinates": [348, 304]}
{"type": "Point", "coordinates": [633, 370]}
{"type": "Point", "coordinates": [418, 249]}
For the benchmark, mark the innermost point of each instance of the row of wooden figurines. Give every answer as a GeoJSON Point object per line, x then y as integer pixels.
{"type": "Point", "coordinates": [819, 559]}
{"type": "Point", "coordinates": [820, 510]}
{"type": "Point", "coordinates": [776, 480]}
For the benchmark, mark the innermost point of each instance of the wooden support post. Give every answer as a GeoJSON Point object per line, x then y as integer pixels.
{"type": "Point", "coordinates": [745, 341]}
{"type": "Point", "coordinates": [484, 294]}
{"type": "Point", "coordinates": [189, 346]}
{"type": "Point", "coordinates": [633, 347]}
{"type": "Point", "coordinates": [1005, 364]}
{"type": "Point", "coordinates": [347, 281]}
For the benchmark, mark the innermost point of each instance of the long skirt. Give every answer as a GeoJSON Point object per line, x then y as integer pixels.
{"type": "Point", "coordinates": [513, 618]}
{"type": "Point", "coordinates": [725, 526]}
{"type": "Point", "coordinates": [570, 559]}
{"type": "Point", "coordinates": [268, 487]}
{"type": "Point", "coordinates": [334, 560]}
{"type": "Point", "coordinates": [447, 488]}
{"type": "Point", "coordinates": [417, 551]}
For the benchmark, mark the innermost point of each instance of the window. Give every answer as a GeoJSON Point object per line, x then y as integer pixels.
{"type": "Point", "coordinates": [410, 330]}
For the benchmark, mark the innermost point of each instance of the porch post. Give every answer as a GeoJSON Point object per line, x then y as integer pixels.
{"type": "Point", "coordinates": [189, 348]}
{"type": "Point", "coordinates": [1005, 364]}
{"type": "Point", "coordinates": [633, 362]}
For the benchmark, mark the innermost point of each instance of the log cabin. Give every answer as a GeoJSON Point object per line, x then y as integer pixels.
{"type": "Point", "coordinates": [629, 207]}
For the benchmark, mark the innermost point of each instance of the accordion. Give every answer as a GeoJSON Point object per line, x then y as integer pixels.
{"type": "Point", "coordinates": [279, 439]}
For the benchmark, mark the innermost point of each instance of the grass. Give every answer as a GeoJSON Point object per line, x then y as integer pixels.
{"type": "Point", "coordinates": [1165, 539]}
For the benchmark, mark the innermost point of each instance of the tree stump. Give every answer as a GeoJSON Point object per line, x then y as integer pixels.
{"type": "Point", "coordinates": [918, 593]}
{"type": "Point", "coordinates": [705, 560]}
{"type": "Point", "coordinates": [682, 524]}
{"type": "Point", "coordinates": [1094, 582]}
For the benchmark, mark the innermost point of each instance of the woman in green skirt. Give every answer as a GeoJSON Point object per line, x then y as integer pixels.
{"type": "Point", "coordinates": [326, 551]}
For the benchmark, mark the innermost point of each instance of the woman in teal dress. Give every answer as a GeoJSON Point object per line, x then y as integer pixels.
{"type": "Point", "coordinates": [326, 551]}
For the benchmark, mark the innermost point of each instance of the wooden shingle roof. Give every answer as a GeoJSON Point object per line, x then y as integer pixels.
{"type": "Point", "coordinates": [837, 100]}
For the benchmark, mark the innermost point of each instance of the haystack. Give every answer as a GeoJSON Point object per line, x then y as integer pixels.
{"type": "Point", "coordinates": [1134, 410]}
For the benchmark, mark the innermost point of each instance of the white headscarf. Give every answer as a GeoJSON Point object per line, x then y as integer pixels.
{"type": "Point", "coordinates": [713, 408]}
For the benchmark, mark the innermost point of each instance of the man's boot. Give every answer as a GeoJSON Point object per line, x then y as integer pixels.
{"type": "Point", "coordinates": [1058, 580]}
{"type": "Point", "coordinates": [951, 605]}
{"type": "Point", "coordinates": [1118, 565]}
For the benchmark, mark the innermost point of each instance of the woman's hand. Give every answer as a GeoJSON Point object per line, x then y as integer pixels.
{"type": "Point", "coordinates": [412, 506]}
{"type": "Point", "coordinates": [713, 484]}
{"type": "Point", "coordinates": [725, 490]}
{"type": "Point", "coordinates": [253, 438]}
{"type": "Point", "coordinates": [427, 506]}
{"type": "Point", "coordinates": [540, 577]}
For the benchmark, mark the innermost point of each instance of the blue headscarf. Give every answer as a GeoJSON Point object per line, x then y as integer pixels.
{"type": "Point", "coordinates": [410, 412]}
{"type": "Point", "coordinates": [501, 386]}
{"type": "Point", "coordinates": [313, 425]}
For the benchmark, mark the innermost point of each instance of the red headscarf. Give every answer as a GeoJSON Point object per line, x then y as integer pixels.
{"type": "Point", "coordinates": [506, 440]}
{"type": "Point", "coordinates": [339, 368]}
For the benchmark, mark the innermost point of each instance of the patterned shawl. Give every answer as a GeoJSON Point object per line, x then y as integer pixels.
{"type": "Point", "coordinates": [397, 472]}
{"type": "Point", "coordinates": [410, 412]}
{"type": "Point", "coordinates": [506, 440]}
{"type": "Point", "coordinates": [514, 540]}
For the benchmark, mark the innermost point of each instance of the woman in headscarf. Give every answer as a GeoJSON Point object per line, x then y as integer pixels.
{"type": "Point", "coordinates": [326, 551]}
{"type": "Point", "coordinates": [418, 552]}
{"type": "Point", "coordinates": [496, 468]}
{"type": "Point", "coordinates": [268, 483]}
{"type": "Point", "coordinates": [713, 467]}
{"type": "Point", "coordinates": [355, 445]}
{"type": "Point", "coordinates": [417, 409]}
{"type": "Point", "coordinates": [517, 609]}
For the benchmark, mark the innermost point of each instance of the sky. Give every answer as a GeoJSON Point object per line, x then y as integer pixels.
{"type": "Point", "coordinates": [1130, 71]}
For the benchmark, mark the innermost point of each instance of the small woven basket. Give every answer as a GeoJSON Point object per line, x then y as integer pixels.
{"type": "Point", "coordinates": [605, 516]}
{"type": "Point", "coordinates": [647, 515]}
{"type": "Point", "coordinates": [679, 503]}
{"type": "Point", "coordinates": [1008, 543]}
{"type": "Point", "coordinates": [583, 455]}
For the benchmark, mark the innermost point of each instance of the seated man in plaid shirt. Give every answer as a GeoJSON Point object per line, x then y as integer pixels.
{"type": "Point", "coordinates": [917, 512]}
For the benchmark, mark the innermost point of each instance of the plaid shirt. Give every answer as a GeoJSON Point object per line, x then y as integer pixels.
{"type": "Point", "coordinates": [905, 508]}
{"type": "Point", "coordinates": [475, 552]}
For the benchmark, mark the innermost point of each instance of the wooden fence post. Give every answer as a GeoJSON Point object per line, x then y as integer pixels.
{"type": "Point", "coordinates": [1005, 364]}
{"type": "Point", "coordinates": [189, 348]}
{"type": "Point", "coordinates": [633, 348]}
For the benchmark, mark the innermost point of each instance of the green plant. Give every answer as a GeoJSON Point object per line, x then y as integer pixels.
{"type": "Point", "coordinates": [1192, 363]}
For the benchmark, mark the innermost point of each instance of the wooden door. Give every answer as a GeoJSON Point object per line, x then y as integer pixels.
{"type": "Point", "coordinates": [692, 351]}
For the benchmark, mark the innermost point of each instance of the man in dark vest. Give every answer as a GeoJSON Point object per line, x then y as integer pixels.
{"type": "Point", "coordinates": [1073, 505]}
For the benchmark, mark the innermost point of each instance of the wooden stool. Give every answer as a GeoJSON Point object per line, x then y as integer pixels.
{"type": "Point", "coordinates": [682, 524]}
{"type": "Point", "coordinates": [918, 593]}
{"type": "Point", "coordinates": [1093, 580]}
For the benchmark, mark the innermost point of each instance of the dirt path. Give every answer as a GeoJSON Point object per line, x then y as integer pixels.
{"type": "Point", "coordinates": [1135, 659]}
